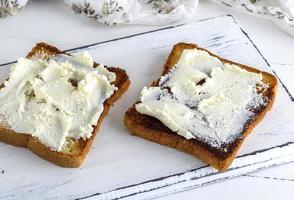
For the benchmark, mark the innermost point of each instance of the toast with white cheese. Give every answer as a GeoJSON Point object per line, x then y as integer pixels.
{"type": "Point", "coordinates": [75, 150]}
{"type": "Point", "coordinates": [203, 105]}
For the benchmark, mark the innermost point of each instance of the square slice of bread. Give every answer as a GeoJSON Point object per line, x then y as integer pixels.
{"type": "Point", "coordinates": [76, 150]}
{"type": "Point", "coordinates": [154, 130]}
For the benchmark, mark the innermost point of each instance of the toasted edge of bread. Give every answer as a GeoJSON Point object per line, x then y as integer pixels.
{"type": "Point", "coordinates": [154, 130]}
{"type": "Point", "coordinates": [76, 150]}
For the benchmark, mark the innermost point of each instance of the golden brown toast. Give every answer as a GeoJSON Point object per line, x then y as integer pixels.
{"type": "Point", "coordinates": [154, 130]}
{"type": "Point", "coordinates": [76, 150]}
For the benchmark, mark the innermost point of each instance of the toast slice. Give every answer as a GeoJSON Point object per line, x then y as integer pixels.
{"type": "Point", "coordinates": [154, 130]}
{"type": "Point", "coordinates": [76, 150]}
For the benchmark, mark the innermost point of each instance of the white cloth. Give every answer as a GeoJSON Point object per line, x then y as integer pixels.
{"type": "Point", "coordinates": [149, 12]}
{"type": "Point", "coordinates": [161, 12]}
{"type": "Point", "coordinates": [11, 7]}
{"type": "Point", "coordinates": [280, 11]}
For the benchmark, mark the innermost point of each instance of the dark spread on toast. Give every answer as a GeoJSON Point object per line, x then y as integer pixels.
{"type": "Point", "coordinates": [153, 124]}
{"type": "Point", "coordinates": [170, 86]}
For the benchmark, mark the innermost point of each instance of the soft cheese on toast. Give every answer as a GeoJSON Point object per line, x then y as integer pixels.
{"type": "Point", "coordinates": [57, 101]}
{"type": "Point", "coordinates": [202, 104]}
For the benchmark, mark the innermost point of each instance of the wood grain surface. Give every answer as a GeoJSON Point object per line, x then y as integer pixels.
{"type": "Point", "coordinates": [122, 166]}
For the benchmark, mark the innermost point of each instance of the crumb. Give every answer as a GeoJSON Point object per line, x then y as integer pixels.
{"type": "Point", "coordinates": [2, 172]}
{"type": "Point", "coordinates": [73, 82]}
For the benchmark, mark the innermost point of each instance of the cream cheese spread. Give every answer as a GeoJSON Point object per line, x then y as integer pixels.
{"type": "Point", "coordinates": [203, 98]}
{"type": "Point", "coordinates": [55, 99]}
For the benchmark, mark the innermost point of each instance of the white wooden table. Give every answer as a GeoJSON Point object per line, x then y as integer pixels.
{"type": "Point", "coordinates": [50, 21]}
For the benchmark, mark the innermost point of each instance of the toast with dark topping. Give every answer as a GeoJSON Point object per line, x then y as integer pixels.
{"type": "Point", "coordinates": [154, 130]}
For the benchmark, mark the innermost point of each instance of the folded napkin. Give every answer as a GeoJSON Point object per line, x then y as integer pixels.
{"type": "Point", "coordinates": [280, 11]}
{"type": "Point", "coordinates": [149, 12]}
{"type": "Point", "coordinates": [11, 7]}
{"type": "Point", "coordinates": [161, 12]}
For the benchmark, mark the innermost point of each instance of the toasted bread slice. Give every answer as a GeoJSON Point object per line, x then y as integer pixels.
{"type": "Point", "coordinates": [76, 150]}
{"type": "Point", "coordinates": [154, 130]}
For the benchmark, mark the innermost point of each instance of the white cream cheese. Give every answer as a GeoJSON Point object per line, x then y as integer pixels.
{"type": "Point", "coordinates": [55, 99]}
{"type": "Point", "coordinates": [203, 98]}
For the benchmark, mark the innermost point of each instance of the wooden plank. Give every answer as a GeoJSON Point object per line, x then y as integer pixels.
{"type": "Point", "coordinates": [120, 165]}
{"type": "Point", "coordinates": [283, 71]}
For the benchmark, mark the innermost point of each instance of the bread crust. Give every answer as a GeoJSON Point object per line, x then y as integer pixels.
{"type": "Point", "coordinates": [79, 148]}
{"type": "Point", "coordinates": [152, 129]}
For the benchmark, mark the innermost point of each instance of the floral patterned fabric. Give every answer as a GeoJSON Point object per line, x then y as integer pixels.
{"type": "Point", "coordinates": [11, 7]}
{"type": "Point", "coordinates": [280, 11]}
{"type": "Point", "coordinates": [150, 12]}
{"type": "Point", "coordinates": [161, 12]}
